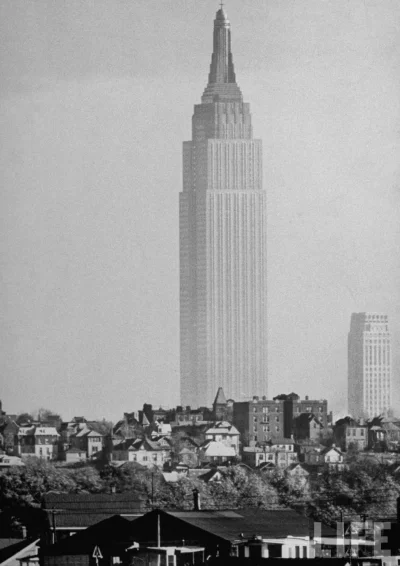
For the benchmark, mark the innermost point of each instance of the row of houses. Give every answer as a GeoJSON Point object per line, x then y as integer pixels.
{"type": "Point", "coordinates": [75, 441]}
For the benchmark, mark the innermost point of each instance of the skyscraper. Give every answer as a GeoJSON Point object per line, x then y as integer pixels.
{"type": "Point", "coordinates": [369, 365]}
{"type": "Point", "coordinates": [222, 242]}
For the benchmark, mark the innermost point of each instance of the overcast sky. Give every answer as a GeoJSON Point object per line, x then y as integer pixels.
{"type": "Point", "coordinates": [96, 99]}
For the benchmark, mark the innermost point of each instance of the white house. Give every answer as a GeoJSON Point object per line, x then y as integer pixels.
{"type": "Point", "coordinates": [216, 452]}
{"type": "Point", "coordinates": [225, 433]}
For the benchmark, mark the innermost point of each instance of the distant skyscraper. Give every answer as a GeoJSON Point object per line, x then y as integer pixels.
{"type": "Point", "coordinates": [369, 365]}
{"type": "Point", "coordinates": [222, 242]}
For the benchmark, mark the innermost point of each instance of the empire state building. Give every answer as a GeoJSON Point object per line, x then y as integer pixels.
{"type": "Point", "coordinates": [222, 242]}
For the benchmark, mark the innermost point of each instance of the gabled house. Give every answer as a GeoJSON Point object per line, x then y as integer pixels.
{"type": "Point", "coordinates": [142, 451]}
{"type": "Point", "coordinates": [216, 452]}
{"type": "Point", "coordinates": [89, 440]}
{"type": "Point", "coordinates": [226, 433]}
{"type": "Point", "coordinates": [311, 455]}
{"type": "Point", "coordinates": [213, 475]}
{"type": "Point", "coordinates": [299, 472]}
{"type": "Point", "coordinates": [333, 457]}
{"type": "Point", "coordinates": [307, 427]}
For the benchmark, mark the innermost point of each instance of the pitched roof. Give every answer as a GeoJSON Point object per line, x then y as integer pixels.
{"type": "Point", "coordinates": [220, 398]}
{"type": "Point", "coordinates": [213, 448]}
{"type": "Point", "coordinates": [223, 427]}
{"type": "Point", "coordinates": [109, 534]}
{"type": "Point", "coordinates": [329, 448]}
{"type": "Point", "coordinates": [9, 548]}
{"type": "Point", "coordinates": [266, 523]}
{"type": "Point", "coordinates": [211, 475]}
{"type": "Point", "coordinates": [83, 510]}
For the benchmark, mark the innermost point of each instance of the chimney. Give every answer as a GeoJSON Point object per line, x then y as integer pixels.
{"type": "Point", "coordinates": [255, 398]}
{"type": "Point", "coordinates": [306, 397]}
{"type": "Point", "coordinates": [196, 500]}
{"type": "Point", "coordinates": [23, 531]}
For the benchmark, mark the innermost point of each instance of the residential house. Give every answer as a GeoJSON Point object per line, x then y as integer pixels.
{"type": "Point", "coordinates": [333, 457]}
{"type": "Point", "coordinates": [26, 441]}
{"type": "Point", "coordinates": [46, 442]}
{"type": "Point", "coordinates": [348, 431]}
{"type": "Point", "coordinates": [307, 427]}
{"type": "Point", "coordinates": [298, 472]}
{"type": "Point", "coordinates": [310, 454]}
{"type": "Point", "coordinates": [280, 453]}
{"type": "Point", "coordinates": [7, 462]}
{"type": "Point", "coordinates": [255, 456]}
{"type": "Point", "coordinates": [377, 438]}
{"type": "Point", "coordinates": [392, 428]}
{"type": "Point", "coordinates": [146, 452]}
{"type": "Point", "coordinates": [216, 452]}
{"type": "Point", "coordinates": [226, 433]}
{"type": "Point", "coordinates": [73, 455]}
{"type": "Point", "coordinates": [161, 429]}
{"type": "Point", "coordinates": [89, 440]}
{"type": "Point", "coordinates": [10, 437]}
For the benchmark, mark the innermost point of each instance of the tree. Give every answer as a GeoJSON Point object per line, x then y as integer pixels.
{"type": "Point", "coordinates": [24, 418]}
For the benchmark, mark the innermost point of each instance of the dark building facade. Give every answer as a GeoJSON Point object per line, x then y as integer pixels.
{"type": "Point", "coordinates": [264, 419]}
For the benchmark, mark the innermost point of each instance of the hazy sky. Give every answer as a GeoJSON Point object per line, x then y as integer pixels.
{"type": "Point", "coordinates": [96, 98]}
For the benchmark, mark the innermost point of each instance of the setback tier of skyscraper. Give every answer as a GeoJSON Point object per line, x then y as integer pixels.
{"type": "Point", "coordinates": [222, 242]}
{"type": "Point", "coordinates": [369, 365]}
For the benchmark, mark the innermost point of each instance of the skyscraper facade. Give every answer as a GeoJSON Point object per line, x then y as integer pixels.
{"type": "Point", "coordinates": [369, 365]}
{"type": "Point", "coordinates": [222, 242]}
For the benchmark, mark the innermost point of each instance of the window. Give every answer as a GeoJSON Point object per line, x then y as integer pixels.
{"type": "Point", "coordinates": [254, 419]}
{"type": "Point", "coordinates": [277, 428]}
{"type": "Point", "coordinates": [254, 409]}
{"type": "Point", "coordinates": [304, 552]}
{"type": "Point", "coordinates": [155, 457]}
{"type": "Point", "coordinates": [362, 432]}
{"type": "Point", "coordinates": [144, 458]}
{"type": "Point", "coordinates": [265, 409]}
{"type": "Point", "coordinates": [277, 419]}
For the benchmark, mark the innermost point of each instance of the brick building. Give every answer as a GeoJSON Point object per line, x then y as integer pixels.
{"type": "Point", "coordinates": [264, 419]}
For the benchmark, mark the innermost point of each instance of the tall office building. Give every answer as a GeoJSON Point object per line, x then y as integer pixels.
{"type": "Point", "coordinates": [369, 365]}
{"type": "Point", "coordinates": [222, 242]}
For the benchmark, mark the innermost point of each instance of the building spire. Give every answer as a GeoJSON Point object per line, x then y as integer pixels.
{"type": "Point", "coordinates": [222, 79]}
